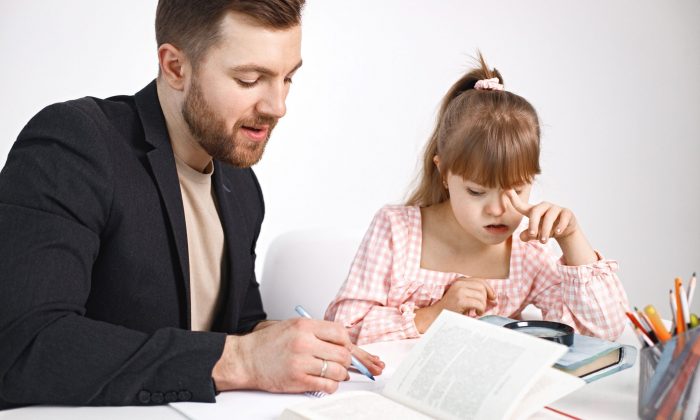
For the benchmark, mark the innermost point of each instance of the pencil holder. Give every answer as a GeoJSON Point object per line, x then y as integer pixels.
{"type": "Point", "coordinates": [669, 378]}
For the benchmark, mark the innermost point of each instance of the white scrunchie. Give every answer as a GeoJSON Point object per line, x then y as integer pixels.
{"type": "Point", "coordinates": [488, 84]}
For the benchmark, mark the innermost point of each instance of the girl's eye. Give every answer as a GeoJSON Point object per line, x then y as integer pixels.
{"type": "Point", "coordinates": [474, 193]}
{"type": "Point", "coordinates": [288, 80]}
{"type": "Point", "coordinates": [518, 192]}
{"type": "Point", "coordinates": [246, 83]}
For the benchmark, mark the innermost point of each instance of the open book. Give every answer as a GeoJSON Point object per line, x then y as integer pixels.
{"type": "Point", "coordinates": [462, 368]}
{"type": "Point", "coordinates": [589, 358]}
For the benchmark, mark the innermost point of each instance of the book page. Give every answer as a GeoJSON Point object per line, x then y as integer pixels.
{"type": "Point", "coordinates": [551, 386]}
{"type": "Point", "coordinates": [352, 405]}
{"type": "Point", "coordinates": [465, 368]}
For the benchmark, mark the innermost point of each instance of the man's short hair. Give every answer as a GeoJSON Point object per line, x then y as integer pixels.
{"type": "Point", "coordinates": [193, 25]}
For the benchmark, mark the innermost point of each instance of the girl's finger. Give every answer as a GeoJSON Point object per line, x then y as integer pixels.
{"type": "Point", "coordinates": [518, 204]}
{"type": "Point", "coordinates": [484, 288]}
{"type": "Point", "coordinates": [563, 223]}
{"type": "Point", "coordinates": [490, 294]}
{"type": "Point", "coordinates": [477, 304]}
{"type": "Point", "coordinates": [475, 291]}
{"type": "Point", "coordinates": [525, 236]}
{"type": "Point", "coordinates": [535, 217]}
{"type": "Point", "coordinates": [547, 224]}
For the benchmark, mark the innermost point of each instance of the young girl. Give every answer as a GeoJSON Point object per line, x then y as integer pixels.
{"type": "Point", "coordinates": [459, 243]}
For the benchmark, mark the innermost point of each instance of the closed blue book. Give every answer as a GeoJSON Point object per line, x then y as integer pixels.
{"type": "Point", "coordinates": [589, 358]}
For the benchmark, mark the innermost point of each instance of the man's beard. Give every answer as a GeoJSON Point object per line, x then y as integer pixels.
{"type": "Point", "coordinates": [210, 131]}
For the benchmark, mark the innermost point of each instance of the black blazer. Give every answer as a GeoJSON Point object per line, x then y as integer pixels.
{"type": "Point", "coordinates": [94, 271]}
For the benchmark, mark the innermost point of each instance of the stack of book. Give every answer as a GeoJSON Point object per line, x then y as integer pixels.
{"type": "Point", "coordinates": [589, 358]}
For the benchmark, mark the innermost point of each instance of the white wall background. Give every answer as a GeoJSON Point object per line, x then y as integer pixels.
{"type": "Point", "coordinates": [615, 83]}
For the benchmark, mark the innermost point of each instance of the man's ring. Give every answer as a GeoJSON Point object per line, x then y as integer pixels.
{"type": "Point", "coordinates": [324, 368]}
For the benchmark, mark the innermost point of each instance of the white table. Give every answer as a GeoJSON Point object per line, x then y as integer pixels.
{"type": "Point", "coordinates": [612, 397]}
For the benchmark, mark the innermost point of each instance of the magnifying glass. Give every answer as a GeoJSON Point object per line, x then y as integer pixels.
{"type": "Point", "coordinates": [548, 330]}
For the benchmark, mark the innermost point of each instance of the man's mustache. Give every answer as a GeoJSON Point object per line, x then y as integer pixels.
{"type": "Point", "coordinates": [259, 120]}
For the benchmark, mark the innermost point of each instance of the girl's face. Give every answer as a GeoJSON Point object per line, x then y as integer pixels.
{"type": "Point", "coordinates": [484, 213]}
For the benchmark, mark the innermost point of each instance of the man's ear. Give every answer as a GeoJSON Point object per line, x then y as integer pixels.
{"type": "Point", "coordinates": [174, 67]}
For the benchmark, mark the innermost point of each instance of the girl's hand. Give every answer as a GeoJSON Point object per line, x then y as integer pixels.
{"type": "Point", "coordinates": [547, 220]}
{"type": "Point", "coordinates": [463, 296]}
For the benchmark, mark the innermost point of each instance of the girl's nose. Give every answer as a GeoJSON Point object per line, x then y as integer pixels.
{"type": "Point", "coordinates": [497, 206]}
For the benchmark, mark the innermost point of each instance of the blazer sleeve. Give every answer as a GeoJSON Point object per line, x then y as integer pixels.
{"type": "Point", "coordinates": [55, 198]}
{"type": "Point", "coordinates": [252, 311]}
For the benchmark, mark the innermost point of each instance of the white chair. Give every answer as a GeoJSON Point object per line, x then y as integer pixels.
{"type": "Point", "coordinates": [306, 267]}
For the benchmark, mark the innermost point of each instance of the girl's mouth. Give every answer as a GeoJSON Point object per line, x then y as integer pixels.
{"type": "Point", "coordinates": [497, 228]}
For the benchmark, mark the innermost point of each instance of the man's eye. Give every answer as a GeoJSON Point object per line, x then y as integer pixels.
{"type": "Point", "coordinates": [246, 83]}
{"type": "Point", "coordinates": [474, 193]}
{"type": "Point", "coordinates": [288, 80]}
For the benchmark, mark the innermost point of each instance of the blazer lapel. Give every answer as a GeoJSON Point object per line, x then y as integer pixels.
{"type": "Point", "coordinates": [164, 170]}
{"type": "Point", "coordinates": [237, 256]}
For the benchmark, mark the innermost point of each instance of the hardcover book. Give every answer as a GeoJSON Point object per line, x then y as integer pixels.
{"type": "Point", "coordinates": [589, 358]}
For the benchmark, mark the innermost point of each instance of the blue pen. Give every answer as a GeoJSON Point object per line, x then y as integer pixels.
{"type": "Point", "coordinates": [356, 363]}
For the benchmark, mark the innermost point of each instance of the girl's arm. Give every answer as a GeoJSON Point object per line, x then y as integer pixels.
{"type": "Point", "coordinates": [582, 289]}
{"type": "Point", "coordinates": [576, 249]}
{"type": "Point", "coordinates": [364, 304]}
{"type": "Point", "coordinates": [587, 297]}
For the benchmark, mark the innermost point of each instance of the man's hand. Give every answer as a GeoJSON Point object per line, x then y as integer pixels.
{"type": "Point", "coordinates": [288, 356]}
{"type": "Point", "coordinates": [371, 362]}
{"type": "Point", "coordinates": [264, 324]}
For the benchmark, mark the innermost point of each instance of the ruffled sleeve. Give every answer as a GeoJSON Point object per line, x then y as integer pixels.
{"type": "Point", "coordinates": [370, 303]}
{"type": "Point", "coordinates": [588, 297]}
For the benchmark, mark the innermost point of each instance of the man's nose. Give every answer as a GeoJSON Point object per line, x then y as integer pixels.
{"type": "Point", "coordinates": [273, 103]}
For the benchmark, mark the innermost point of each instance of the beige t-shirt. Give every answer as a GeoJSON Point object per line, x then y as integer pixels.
{"type": "Point", "coordinates": [205, 242]}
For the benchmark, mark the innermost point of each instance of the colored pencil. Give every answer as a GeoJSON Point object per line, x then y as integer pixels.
{"type": "Point", "coordinates": [686, 310]}
{"type": "Point", "coordinates": [672, 301]}
{"type": "Point", "coordinates": [680, 323]}
{"type": "Point", "coordinates": [633, 318]}
{"type": "Point", "coordinates": [691, 289]}
{"type": "Point", "coordinates": [657, 325]}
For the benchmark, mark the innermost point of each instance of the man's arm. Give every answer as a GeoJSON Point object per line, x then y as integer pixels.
{"type": "Point", "coordinates": [55, 198]}
{"type": "Point", "coordinates": [264, 324]}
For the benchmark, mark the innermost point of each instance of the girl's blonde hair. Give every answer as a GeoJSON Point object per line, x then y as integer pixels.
{"type": "Point", "coordinates": [490, 137]}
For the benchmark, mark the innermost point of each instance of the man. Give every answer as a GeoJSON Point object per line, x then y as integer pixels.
{"type": "Point", "coordinates": [128, 229]}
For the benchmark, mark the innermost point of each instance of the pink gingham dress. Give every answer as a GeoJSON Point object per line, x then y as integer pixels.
{"type": "Point", "coordinates": [386, 284]}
